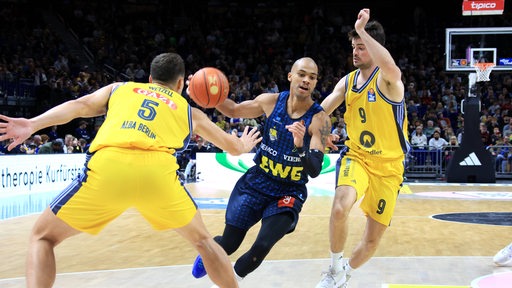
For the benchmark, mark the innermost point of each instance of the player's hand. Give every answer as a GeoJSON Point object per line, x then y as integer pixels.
{"type": "Point", "coordinates": [331, 140]}
{"type": "Point", "coordinates": [249, 138]}
{"type": "Point", "coordinates": [298, 130]}
{"type": "Point", "coordinates": [362, 19]}
{"type": "Point", "coordinates": [17, 129]}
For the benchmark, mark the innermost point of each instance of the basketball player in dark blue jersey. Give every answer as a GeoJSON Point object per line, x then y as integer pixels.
{"type": "Point", "coordinates": [294, 140]}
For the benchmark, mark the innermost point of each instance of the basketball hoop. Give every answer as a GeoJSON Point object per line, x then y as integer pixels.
{"type": "Point", "coordinates": [483, 70]}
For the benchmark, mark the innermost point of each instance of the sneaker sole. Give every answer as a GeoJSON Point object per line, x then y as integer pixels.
{"type": "Point", "coordinates": [504, 264]}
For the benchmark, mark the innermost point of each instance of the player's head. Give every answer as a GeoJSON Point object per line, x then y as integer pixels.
{"type": "Point", "coordinates": [303, 76]}
{"type": "Point", "coordinates": [168, 69]}
{"type": "Point", "coordinates": [374, 29]}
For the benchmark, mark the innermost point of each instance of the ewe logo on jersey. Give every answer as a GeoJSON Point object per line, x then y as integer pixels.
{"type": "Point", "coordinates": [278, 169]}
{"type": "Point", "coordinates": [241, 166]}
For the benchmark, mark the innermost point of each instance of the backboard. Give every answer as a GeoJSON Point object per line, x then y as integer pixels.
{"type": "Point", "coordinates": [464, 46]}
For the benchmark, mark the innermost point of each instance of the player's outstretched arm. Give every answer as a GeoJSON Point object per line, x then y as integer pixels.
{"type": "Point", "coordinates": [262, 104]}
{"type": "Point", "coordinates": [20, 129]}
{"type": "Point", "coordinates": [230, 143]}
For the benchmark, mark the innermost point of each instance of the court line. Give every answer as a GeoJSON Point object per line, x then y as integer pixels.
{"type": "Point", "coordinates": [267, 261]}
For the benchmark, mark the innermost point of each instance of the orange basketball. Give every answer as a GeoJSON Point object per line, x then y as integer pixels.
{"type": "Point", "coordinates": [208, 87]}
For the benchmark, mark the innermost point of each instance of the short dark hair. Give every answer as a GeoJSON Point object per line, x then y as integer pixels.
{"type": "Point", "coordinates": [374, 29]}
{"type": "Point", "coordinates": [167, 67]}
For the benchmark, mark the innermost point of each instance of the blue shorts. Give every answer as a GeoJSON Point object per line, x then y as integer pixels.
{"type": "Point", "coordinates": [257, 196]}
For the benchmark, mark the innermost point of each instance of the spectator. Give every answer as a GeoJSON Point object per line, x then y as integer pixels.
{"type": "Point", "coordinates": [37, 141]}
{"type": "Point", "coordinates": [429, 130]}
{"type": "Point", "coordinates": [234, 123]}
{"type": "Point", "coordinates": [340, 131]}
{"type": "Point", "coordinates": [84, 144]}
{"type": "Point", "coordinates": [53, 147]}
{"type": "Point", "coordinates": [419, 144]}
{"type": "Point", "coordinates": [75, 146]}
{"type": "Point", "coordinates": [53, 134]}
{"type": "Point", "coordinates": [81, 131]}
{"type": "Point", "coordinates": [485, 135]}
{"type": "Point", "coordinates": [450, 149]}
{"type": "Point", "coordinates": [501, 152]}
{"type": "Point", "coordinates": [496, 135]}
{"type": "Point", "coordinates": [436, 145]}
{"type": "Point", "coordinates": [222, 123]}
{"type": "Point", "coordinates": [44, 139]}
{"type": "Point", "coordinates": [251, 122]}
{"type": "Point", "coordinates": [15, 150]}
{"type": "Point", "coordinates": [68, 142]}
{"type": "Point", "coordinates": [507, 128]}
{"type": "Point", "coordinates": [199, 147]}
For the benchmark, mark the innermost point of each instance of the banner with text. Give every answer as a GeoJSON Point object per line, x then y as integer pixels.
{"type": "Point", "coordinates": [31, 174]}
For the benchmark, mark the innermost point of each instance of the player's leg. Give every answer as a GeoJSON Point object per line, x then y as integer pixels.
{"type": "Point", "coordinates": [344, 199]}
{"type": "Point", "coordinates": [47, 233]}
{"type": "Point", "coordinates": [230, 241]}
{"type": "Point", "coordinates": [369, 243]}
{"type": "Point", "coordinates": [231, 238]}
{"type": "Point", "coordinates": [352, 182]}
{"type": "Point", "coordinates": [273, 228]}
{"type": "Point", "coordinates": [215, 259]}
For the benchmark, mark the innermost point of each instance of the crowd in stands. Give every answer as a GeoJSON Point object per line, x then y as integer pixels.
{"type": "Point", "coordinates": [255, 44]}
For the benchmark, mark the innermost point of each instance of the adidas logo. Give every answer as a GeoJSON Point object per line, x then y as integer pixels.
{"type": "Point", "coordinates": [471, 160]}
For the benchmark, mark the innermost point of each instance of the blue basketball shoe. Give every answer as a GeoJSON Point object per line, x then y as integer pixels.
{"type": "Point", "coordinates": [198, 269]}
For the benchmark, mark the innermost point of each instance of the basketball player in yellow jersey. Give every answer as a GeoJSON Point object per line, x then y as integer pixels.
{"type": "Point", "coordinates": [130, 164]}
{"type": "Point", "coordinates": [372, 163]}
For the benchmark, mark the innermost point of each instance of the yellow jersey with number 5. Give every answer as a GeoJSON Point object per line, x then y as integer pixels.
{"type": "Point", "coordinates": [376, 126]}
{"type": "Point", "coordinates": [145, 116]}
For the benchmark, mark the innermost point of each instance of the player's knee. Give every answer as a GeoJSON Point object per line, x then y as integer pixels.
{"type": "Point", "coordinates": [203, 244]}
{"type": "Point", "coordinates": [261, 248]}
{"type": "Point", "coordinates": [340, 212]}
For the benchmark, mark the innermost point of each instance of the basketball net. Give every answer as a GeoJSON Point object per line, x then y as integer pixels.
{"type": "Point", "coordinates": [483, 70]}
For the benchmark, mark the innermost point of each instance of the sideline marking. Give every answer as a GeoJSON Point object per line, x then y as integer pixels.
{"type": "Point", "coordinates": [479, 195]}
{"type": "Point", "coordinates": [419, 286]}
{"type": "Point", "coordinates": [497, 280]}
{"type": "Point", "coordinates": [458, 184]}
{"type": "Point", "coordinates": [406, 190]}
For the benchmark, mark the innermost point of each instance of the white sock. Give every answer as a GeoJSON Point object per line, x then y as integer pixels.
{"type": "Point", "coordinates": [336, 262]}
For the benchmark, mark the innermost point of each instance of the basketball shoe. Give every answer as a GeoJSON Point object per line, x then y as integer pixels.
{"type": "Point", "coordinates": [198, 269]}
{"type": "Point", "coordinates": [504, 256]}
{"type": "Point", "coordinates": [333, 279]}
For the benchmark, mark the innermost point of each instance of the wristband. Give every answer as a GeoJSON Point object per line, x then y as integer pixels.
{"type": "Point", "coordinates": [301, 151]}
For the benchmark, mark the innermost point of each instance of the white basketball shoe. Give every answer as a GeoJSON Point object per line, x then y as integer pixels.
{"type": "Point", "coordinates": [504, 256]}
{"type": "Point", "coordinates": [333, 279]}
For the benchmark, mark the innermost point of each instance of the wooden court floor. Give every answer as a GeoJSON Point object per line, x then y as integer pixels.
{"type": "Point", "coordinates": [416, 249]}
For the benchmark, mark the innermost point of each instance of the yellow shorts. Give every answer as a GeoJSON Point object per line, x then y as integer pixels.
{"type": "Point", "coordinates": [116, 179]}
{"type": "Point", "coordinates": [378, 181]}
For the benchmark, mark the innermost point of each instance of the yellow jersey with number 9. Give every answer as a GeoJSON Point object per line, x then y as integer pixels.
{"type": "Point", "coordinates": [376, 126]}
{"type": "Point", "coordinates": [145, 116]}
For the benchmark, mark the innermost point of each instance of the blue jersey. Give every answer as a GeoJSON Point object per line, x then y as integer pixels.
{"type": "Point", "coordinates": [277, 183]}
{"type": "Point", "coordinates": [277, 155]}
